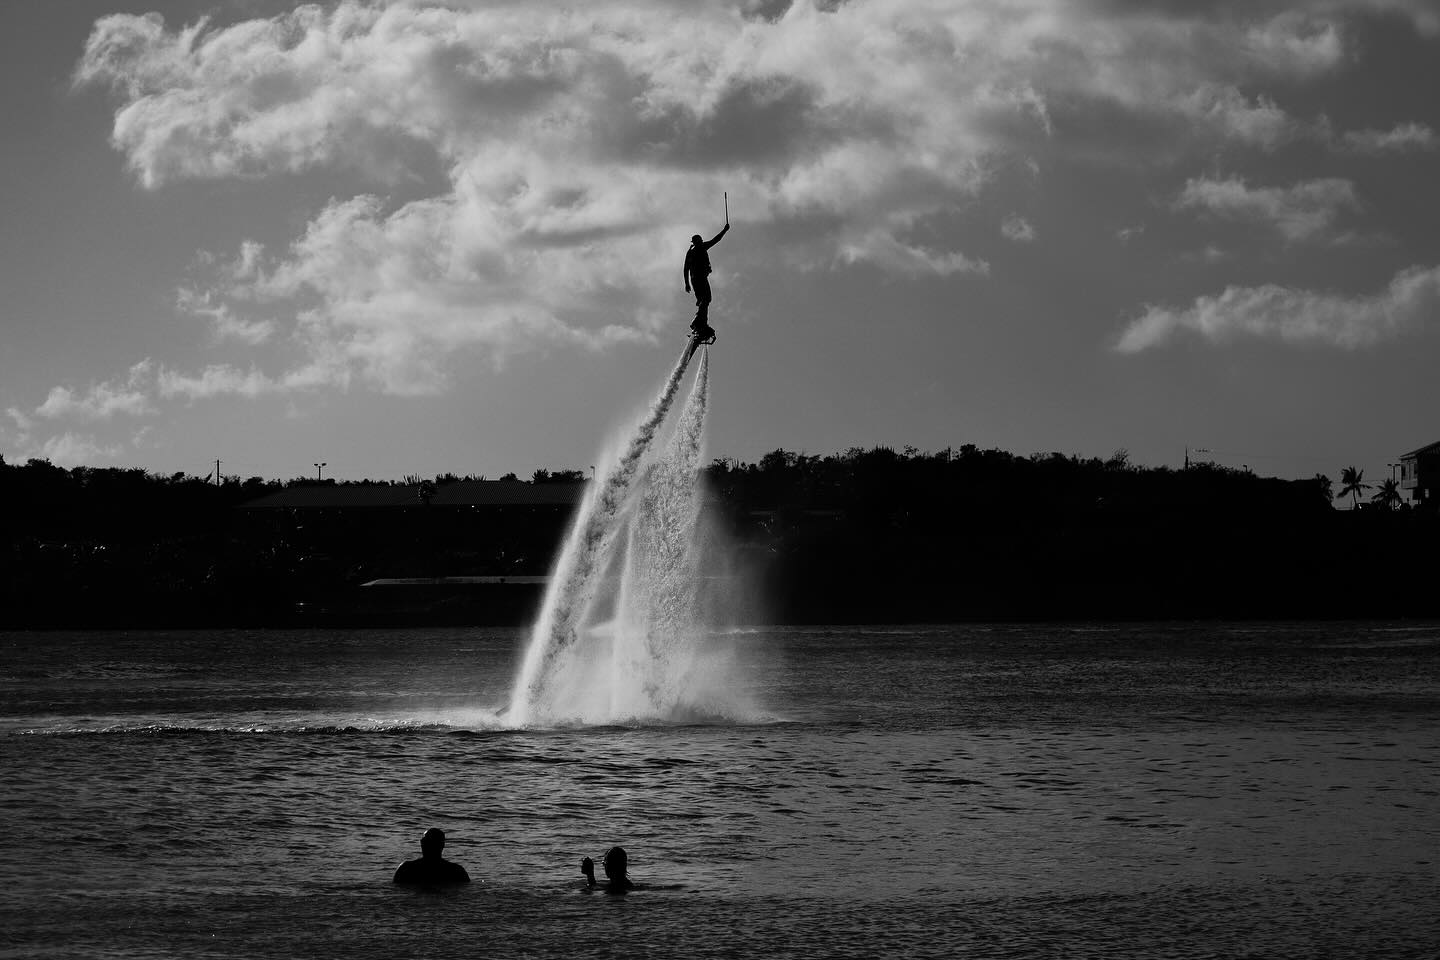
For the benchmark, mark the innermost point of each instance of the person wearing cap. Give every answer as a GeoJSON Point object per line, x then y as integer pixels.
{"type": "Point", "coordinates": [616, 864]}
{"type": "Point", "coordinates": [430, 867]}
{"type": "Point", "coordinates": [697, 275]}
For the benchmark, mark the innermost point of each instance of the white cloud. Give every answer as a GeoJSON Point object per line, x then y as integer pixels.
{"type": "Point", "coordinates": [577, 142]}
{"type": "Point", "coordinates": [222, 379]}
{"type": "Point", "coordinates": [1304, 211]}
{"type": "Point", "coordinates": [144, 437]}
{"type": "Point", "coordinates": [215, 380]}
{"type": "Point", "coordinates": [102, 400]}
{"type": "Point", "coordinates": [73, 449]}
{"type": "Point", "coordinates": [1295, 316]}
{"type": "Point", "coordinates": [1017, 228]}
{"type": "Point", "coordinates": [1258, 122]}
{"type": "Point", "coordinates": [1296, 42]}
{"type": "Point", "coordinates": [17, 440]}
{"type": "Point", "coordinates": [224, 320]}
{"type": "Point", "coordinates": [583, 143]}
{"type": "Point", "coordinates": [22, 422]}
{"type": "Point", "coordinates": [1398, 139]}
{"type": "Point", "coordinates": [881, 248]}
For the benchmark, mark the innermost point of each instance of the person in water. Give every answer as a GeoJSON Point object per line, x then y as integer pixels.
{"type": "Point", "coordinates": [431, 868]}
{"type": "Point", "coordinates": [697, 275]}
{"type": "Point", "coordinates": [616, 863]}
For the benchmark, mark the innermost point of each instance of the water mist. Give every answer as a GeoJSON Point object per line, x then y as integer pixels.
{"type": "Point", "coordinates": [618, 637]}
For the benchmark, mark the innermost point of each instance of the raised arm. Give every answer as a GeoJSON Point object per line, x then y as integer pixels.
{"type": "Point", "coordinates": [716, 239]}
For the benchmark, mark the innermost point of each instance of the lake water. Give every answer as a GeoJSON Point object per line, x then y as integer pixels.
{"type": "Point", "coordinates": [1196, 790]}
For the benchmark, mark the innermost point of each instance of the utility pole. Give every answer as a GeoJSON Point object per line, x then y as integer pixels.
{"type": "Point", "coordinates": [319, 467]}
{"type": "Point", "coordinates": [217, 473]}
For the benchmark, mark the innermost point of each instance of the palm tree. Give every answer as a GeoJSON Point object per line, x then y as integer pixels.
{"type": "Point", "coordinates": [1387, 495]}
{"type": "Point", "coordinates": [1325, 486]}
{"type": "Point", "coordinates": [1352, 482]}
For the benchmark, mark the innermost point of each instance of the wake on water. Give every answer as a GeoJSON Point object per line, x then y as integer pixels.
{"type": "Point", "coordinates": [618, 637]}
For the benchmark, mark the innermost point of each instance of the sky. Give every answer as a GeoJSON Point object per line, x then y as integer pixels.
{"type": "Point", "coordinates": [415, 237]}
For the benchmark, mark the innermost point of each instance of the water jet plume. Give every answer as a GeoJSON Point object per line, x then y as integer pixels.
{"type": "Point", "coordinates": [576, 576]}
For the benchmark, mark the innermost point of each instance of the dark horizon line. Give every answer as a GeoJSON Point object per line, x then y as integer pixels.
{"type": "Point", "coordinates": [1120, 457]}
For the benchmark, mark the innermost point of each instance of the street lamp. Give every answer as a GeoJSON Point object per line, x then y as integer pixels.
{"type": "Point", "coordinates": [319, 467]}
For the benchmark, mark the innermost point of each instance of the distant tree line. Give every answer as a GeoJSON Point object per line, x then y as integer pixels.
{"type": "Point", "coordinates": [867, 535]}
{"type": "Point", "coordinates": [883, 535]}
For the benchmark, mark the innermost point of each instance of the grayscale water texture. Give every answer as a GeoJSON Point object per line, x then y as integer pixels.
{"type": "Point", "coordinates": [1096, 791]}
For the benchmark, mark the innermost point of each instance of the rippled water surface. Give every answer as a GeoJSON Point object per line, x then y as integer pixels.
{"type": "Point", "coordinates": [1037, 791]}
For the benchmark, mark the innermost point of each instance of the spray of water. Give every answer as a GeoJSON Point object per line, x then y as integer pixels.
{"type": "Point", "coordinates": [654, 632]}
{"type": "Point", "coordinates": [550, 663]}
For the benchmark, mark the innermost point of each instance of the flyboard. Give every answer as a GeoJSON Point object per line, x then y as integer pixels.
{"type": "Point", "coordinates": [702, 337]}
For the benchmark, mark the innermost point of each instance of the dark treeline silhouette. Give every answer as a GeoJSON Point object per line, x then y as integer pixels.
{"type": "Point", "coordinates": [873, 535]}
{"type": "Point", "coordinates": [122, 547]}
{"type": "Point", "coordinates": [880, 535]}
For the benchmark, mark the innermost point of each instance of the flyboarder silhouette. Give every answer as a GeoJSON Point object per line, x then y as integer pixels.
{"type": "Point", "coordinates": [697, 275]}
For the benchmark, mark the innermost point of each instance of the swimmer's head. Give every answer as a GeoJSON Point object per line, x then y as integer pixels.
{"type": "Point", "coordinates": [432, 842]}
{"type": "Point", "coordinates": [615, 863]}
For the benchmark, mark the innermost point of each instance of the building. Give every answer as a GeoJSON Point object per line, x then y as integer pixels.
{"type": "Point", "coordinates": [1420, 473]}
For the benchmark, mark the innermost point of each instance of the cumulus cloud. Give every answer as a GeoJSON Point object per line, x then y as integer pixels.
{"type": "Point", "coordinates": [1303, 211]}
{"type": "Point", "coordinates": [101, 401]}
{"type": "Point", "coordinates": [1399, 139]}
{"type": "Point", "coordinates": [1256, 121]}
{"type": "Point", "coordinates": [1294, 316]}
{"type": "Point", "coordinates": [225, 322]}
{"type": "Point", "coordinates": [215, 380]}
{"type": "Point", "coordinates": [221, 379]}
{"type": "Point", "coordinates": [885, 250]}
{"type": "Point", "coordinates": [1297, 41]}
{"type": "Point", "coordinates": [1017, 228]}
{"type": "Point", "coordinates": [22, 422]}
{"type": "Point", "coordinates": [74, 449]}
{"type": "Point", "coordinates": [579, 145]}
